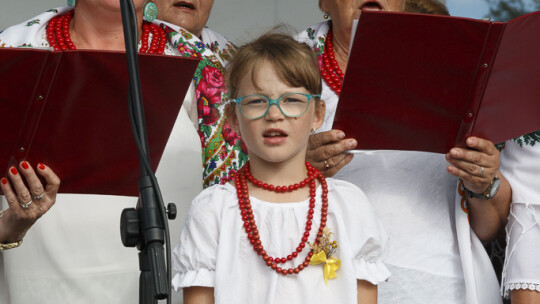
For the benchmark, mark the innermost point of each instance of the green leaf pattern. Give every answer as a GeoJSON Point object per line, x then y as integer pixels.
{"type": "Point", "coordinates": [530, 139]}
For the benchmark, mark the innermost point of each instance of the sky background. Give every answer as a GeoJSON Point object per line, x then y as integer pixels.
{"type": "Point", "coordinates": [477, 9]}
{"type": "Point", "coordinates": [467, 8]}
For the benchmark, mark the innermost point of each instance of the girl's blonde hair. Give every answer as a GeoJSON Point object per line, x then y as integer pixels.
{"type": "Point", "coordinates": [293, 62]}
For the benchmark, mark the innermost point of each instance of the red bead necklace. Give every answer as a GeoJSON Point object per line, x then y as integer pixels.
{"type": "Point", "coordinates": [330, 71]}
{"type": "Point", "coordinates": [59, 37]}
{"type": "Point", "coordinates": [251, 227]}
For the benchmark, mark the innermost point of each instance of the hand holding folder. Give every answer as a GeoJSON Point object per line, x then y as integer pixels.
{"type": "Point", "coordinates": [426, 82]}
{"type": "Point", "coordinates": [69, 110]}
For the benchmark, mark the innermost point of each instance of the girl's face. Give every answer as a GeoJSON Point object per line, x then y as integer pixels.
{"type": "Point", "coordinates": [274, 138]}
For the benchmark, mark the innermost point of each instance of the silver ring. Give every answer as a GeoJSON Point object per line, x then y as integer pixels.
{"type": "Point", "coordinates": [326, 165]}
{"type": "Point", "coordinates": [25, 206]}
{"type": "Point", "coordinates": [37, 198]}
{"type": "Point", "coordinates": [482, 171]}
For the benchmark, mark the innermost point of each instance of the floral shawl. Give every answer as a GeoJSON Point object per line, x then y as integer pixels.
{"type": "Point", "coordinates": [222, 152]}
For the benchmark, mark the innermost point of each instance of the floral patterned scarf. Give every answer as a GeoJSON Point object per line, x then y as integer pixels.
{"type": "Point", "coordinates": [223, 152]}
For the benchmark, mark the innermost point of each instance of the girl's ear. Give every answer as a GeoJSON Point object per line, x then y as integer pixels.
{"type": "Point", "coordinates": [232, 118]}
{"type": "Point", "coordinates": [318, 117]}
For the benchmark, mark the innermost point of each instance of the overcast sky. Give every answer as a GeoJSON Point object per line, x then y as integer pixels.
{"type": "Point", "coordinates": [473, 8]}
{"type": "Point", "coordinates": [467, 8]}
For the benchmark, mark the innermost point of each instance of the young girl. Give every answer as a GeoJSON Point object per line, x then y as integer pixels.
{"type": "Point", "coordinates": [280, 233]}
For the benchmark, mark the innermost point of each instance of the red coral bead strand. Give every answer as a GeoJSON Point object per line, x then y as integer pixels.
{"type": "Point", "coordinates": [251, 227]}
{"type": "Point", "coordinates": [59, 38]}
{"type": "Point", "coordinates": [311, 176]}
{"type": "Point", "coordinates": [330, 70]}
{"type": "Point", "coordinates": [65, 30]}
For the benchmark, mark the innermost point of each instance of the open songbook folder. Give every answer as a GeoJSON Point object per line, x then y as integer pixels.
{"type": "Point", "coordinates": [426, 82]}
{"type": "Point", "coordinates": [69, 110]}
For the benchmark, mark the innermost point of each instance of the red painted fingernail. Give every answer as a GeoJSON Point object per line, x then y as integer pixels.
{"type": "Point", "coordinates": [41, 166]}
{"type": "Point", "coordinates": [25, 165]}
{"type": "Point", "coordinates": [14, 171]}
{"type": "Point", "coordinates": [4, 180]}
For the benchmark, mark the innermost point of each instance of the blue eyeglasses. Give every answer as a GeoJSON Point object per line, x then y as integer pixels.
{"type": "Point", "coordinates": [290, 104]}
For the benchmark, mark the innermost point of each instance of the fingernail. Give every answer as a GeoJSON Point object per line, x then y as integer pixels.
{"type": "Point", "coordinates": [14, 171]}
{"type": "Point", "coordinates": [25, 165]}
{"type": "Point", "coordinates": [341, 135]}
{"type": "Point", "coordinates": [41, 166]}
{"type": "Point", "coordinates": [4, 180]}
{"type": "Point", "coordinates": [351, 144]}
{"type": "Point", "coordinates": [471, 141]}
{"type": "Point", "coordinates": [454, 152]}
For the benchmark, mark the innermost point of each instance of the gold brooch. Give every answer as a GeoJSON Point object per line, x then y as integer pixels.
{"type": "Point", "coordinates": [325, 252]}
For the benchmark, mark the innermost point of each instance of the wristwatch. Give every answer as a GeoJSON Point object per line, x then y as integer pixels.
{"type": "Point", "coordinates": [490, 191]}
{"type": "Point", "coordinates": [10, 245]}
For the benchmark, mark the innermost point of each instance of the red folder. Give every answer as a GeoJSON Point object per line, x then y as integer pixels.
{"type": "Point", "coordinates": [69, 110]}
{"type": "Point", "coordinates": [426, 82]}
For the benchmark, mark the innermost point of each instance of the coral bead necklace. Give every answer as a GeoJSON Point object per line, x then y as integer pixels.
{"type": "Point", "coordinates": [59, 37]}
{"type": "Point", "coordinates": [330, 71]}
{"type": "Point", "coordinates": [250, 226]}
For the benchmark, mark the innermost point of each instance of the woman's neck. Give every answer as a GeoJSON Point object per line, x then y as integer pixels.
{"type": "Point", "coordinates": [94, 27]}
{"type": "Point", "coordinates": [341, 41]}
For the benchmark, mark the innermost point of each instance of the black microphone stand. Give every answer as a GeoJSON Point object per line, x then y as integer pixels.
{"type": "Point", "coordinates": [146, 226]}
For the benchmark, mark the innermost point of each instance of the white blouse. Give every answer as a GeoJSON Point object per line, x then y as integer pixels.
{"type": "Point", "coordinates": [214, 250]}
{"type": "Point", "coordinates": [520, 164]}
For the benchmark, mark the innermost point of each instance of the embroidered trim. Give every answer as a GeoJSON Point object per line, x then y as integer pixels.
{"type": "Point", "coordinates": [521, 286]}
{"type": "Point", "coordinates": [528, 139]}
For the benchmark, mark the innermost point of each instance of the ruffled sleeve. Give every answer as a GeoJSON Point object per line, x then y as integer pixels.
{"type": "Point", "coordinates": [366, 238]}
{"type": "Point", "coordinates": [368, 263]}
{"type": "Point", "coordinates": [194, 258]}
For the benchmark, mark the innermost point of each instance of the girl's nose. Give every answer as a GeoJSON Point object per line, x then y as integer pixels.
{"type": "Point", "coordinates": [274, 113]}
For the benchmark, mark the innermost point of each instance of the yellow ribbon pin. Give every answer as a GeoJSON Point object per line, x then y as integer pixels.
{"type": "Point", "coordinates": [330, 268]}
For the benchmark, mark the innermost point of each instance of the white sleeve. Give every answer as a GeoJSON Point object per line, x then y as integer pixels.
{"type": "Point", "coordinates": [366, 237]}
{"type": "Point", "coordinates": [194, 258]}
{"type": "Point", "coordinates": [190, 104]}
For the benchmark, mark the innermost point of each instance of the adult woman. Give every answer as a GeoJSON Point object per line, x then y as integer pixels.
{"type": "Point", "coordinates": [520, 164]}
{"type": "Point", "coordinates": [432, 255]}
{"type": "Point", "coordinates": [222, 151]}
{"type": "Point", "coordinates": [75, 252]}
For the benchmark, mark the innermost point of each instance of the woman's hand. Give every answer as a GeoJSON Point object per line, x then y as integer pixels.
{"type": "Point", "coordinates": [326, 151]}
{"type": "Point", "coordinates": [28, 199]}
{"type": "Point", "coordinates": [476, 166]}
